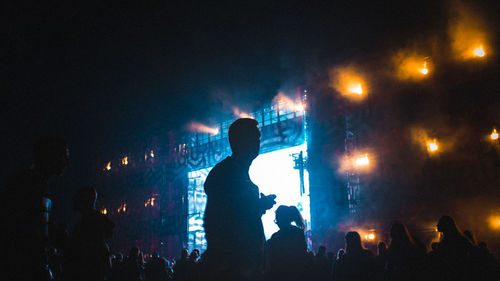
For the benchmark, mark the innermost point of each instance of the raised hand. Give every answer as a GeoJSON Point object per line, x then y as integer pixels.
{"type": "Point", "coordinates": [267, 201]}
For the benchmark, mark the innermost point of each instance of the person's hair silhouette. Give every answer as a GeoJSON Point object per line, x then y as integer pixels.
{"type": "Point", "coordinates": [285, 215]}
{"type": "Point", "coordinates": [244, 138]}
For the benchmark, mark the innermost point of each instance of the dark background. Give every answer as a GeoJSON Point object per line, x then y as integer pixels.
{"type": "Point", "coordinates": [106, 76]}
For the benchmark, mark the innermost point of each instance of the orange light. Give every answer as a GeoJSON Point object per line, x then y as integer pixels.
{"type": "Point", "coordinates": [349, 82]}
{"type": "Point", "coordinates": [284, 102]}
{"type": "Point", "coordinates": [124, 208]}
{"type": "Point", "coordinates": [494, 135]}
{"type": "Point", "coordinates": [479, 52]}
{"type": "Point", "coordinates": [299, 107]}
{"type": "Point", "coordinates": [362, 161]}
{"type": "Point", "coordinates": [152, 154]}
{"type": "Point", "coordinates": [241, 114]}
{"type": "Point", "coordinates": [202, 128]}
{"type": "Point", "coordinates": [371, 236]}
{"type": "Point", "coordinates": [495, 222]}
{"type": "Point", "coordinates": [424, 70]}
{"type": "Point", "coordinates": [432, 146]}
{"type": "Point", "coordinates": [104, 211]}
{"type": "Point", "coordinates": [125, 160]}
{"type": "Point", "coordinates": [356, 89]}
{"type": "Point", "coordinates": [108, 166]}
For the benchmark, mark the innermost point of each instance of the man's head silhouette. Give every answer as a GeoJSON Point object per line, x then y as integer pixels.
{"type": "Point", "coordinates": [244, 138]}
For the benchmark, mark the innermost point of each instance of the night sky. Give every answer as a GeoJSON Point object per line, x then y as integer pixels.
{"type": "Point", "coordinates": [107, 75]}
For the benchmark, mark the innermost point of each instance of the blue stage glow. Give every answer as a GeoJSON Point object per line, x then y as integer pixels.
{"type": "Point", "coordinates": [273, 172]}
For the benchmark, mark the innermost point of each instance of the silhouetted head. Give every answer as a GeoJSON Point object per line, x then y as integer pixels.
{"type": "Point", "coordinates": [321, 251]}
{"type": "Point", "coordinates": [352, 241]}
{"type": "Point", "coordinates": [447, 226]}
{"type": "Point", "coordinates": [285, 215]}
{"type": "Point", "coordinates": [340, 253]}
{"type": "Point", "coordinates": [184, 253]}
{"type": "Point", "coordinates": [85, 198]}
{"type": "Point", "coordinates": [244, 138]}
{"type": "Point", "coordinates": [134, 253]}
{"type": "Point", "coordinates": [51, 156]}
{"type": "Point", "coordinates": [194, 255]}
{"type": "Point", "coordinates": [399, 233]}
{"type": "Point", "coordinates": [330, 255]}
{"type": "Point", "coordinates": [472, 238]}
{"type": "Point", "coordinates": [434, 246]}
{"type": "Point", "coordinates": [381, 248]}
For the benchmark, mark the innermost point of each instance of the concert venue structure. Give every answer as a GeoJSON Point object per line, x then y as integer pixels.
{"type": "Point", "coordinates": [161, 199]}
{"type": "Point", "coordinates": [161, 188]}
{"type": "Point", "coordinates": [347, 165]}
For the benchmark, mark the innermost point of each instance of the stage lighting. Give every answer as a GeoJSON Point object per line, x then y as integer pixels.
{"type": "Point", "coordinates": [356, 89]}
{"type": "Point", "coordinates": [424, 70]}
{"type": "Point", "coordinates": [495, 222]}
{"type": "Point", "coordinates": [108, 166]}
{"type": "Point", "coordinates": [479, 52]}
{"type": "Point", "coordinates": [432, 146]}
{"type": "Point", "coordinates": [494, 135]}
{"type": "Point", "coordinates": [125, 160]}
{"type": "Point", "coordinates": [362, 161]}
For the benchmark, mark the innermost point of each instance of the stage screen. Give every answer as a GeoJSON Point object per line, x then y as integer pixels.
{"type": "Point", "coordinates": [273, 173]}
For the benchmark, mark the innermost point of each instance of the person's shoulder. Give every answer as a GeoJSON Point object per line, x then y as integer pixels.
{"type": "Point", "coordinates": [296, 230]}
{"type": "Point", "coordinates": [368, 254]}
{"type": "Point", "coordinates": [218, 170]}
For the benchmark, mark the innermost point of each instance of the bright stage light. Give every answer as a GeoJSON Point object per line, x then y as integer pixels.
{"type": "Point", "coordinates": [125, 160]}
{"type": "Point", "coordinates": [479, 52]}
{"type": "Point", "coordinates": [424, 70]}
{"type": "Point", "coordinates": [202, 128]}
{"type": "Point", "coordinates": [241, 114]}
{"type": "Point", "coordinates": [432, 146]}
{"type": "Point", "coordinates": [274, 173]}
{"type": "Point", "coordinates": [299, 107]}
{"type": "Point", "coordinates": [362, 161]}
{"type": "Point", "coordinates": [495, 222]}
{"type": "Point", "coordinates": [494, 135]}
{"type": "Point", "coordinates": [356, 89]}
{"type": "Point", "coordinates": [108, 166]}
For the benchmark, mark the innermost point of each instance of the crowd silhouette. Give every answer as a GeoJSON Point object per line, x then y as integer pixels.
{"type": "Point", "coordinates": [36, 249]}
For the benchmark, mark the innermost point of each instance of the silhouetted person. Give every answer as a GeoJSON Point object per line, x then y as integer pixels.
{"type": "Point", "coordinates": [156, 268]}
{"type": "Point", "coordinates": [472, 238]}
{"type": "Point", "coordinates": [181, 266]}
{"type": "Point", "coordinates": [380, 260]}
{"type": "Point", "coordinates": [322, 269]}
{"type": "Point", "coordinates": [233, 225]}
{"type": "Point", "coordinates": [453, 252]}
{"type": "Point", "coordinates": [25, 207]}
{"type": "Point", "coordinates": [133, 266]}
{"type": "Point", "coordinates": [287, 249]}
{"type": "Point", "coordinates": [87, 254]}
{"type": "Point", "coordinates": [116, 265]}
{"type": "Point", "coordinates": [357, 264]}
{"type": "Point", "coordinates": [404, 259]}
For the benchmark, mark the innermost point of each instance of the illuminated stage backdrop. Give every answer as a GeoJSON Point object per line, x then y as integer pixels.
{"type": "Point", "coordinates": [280, 168]}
